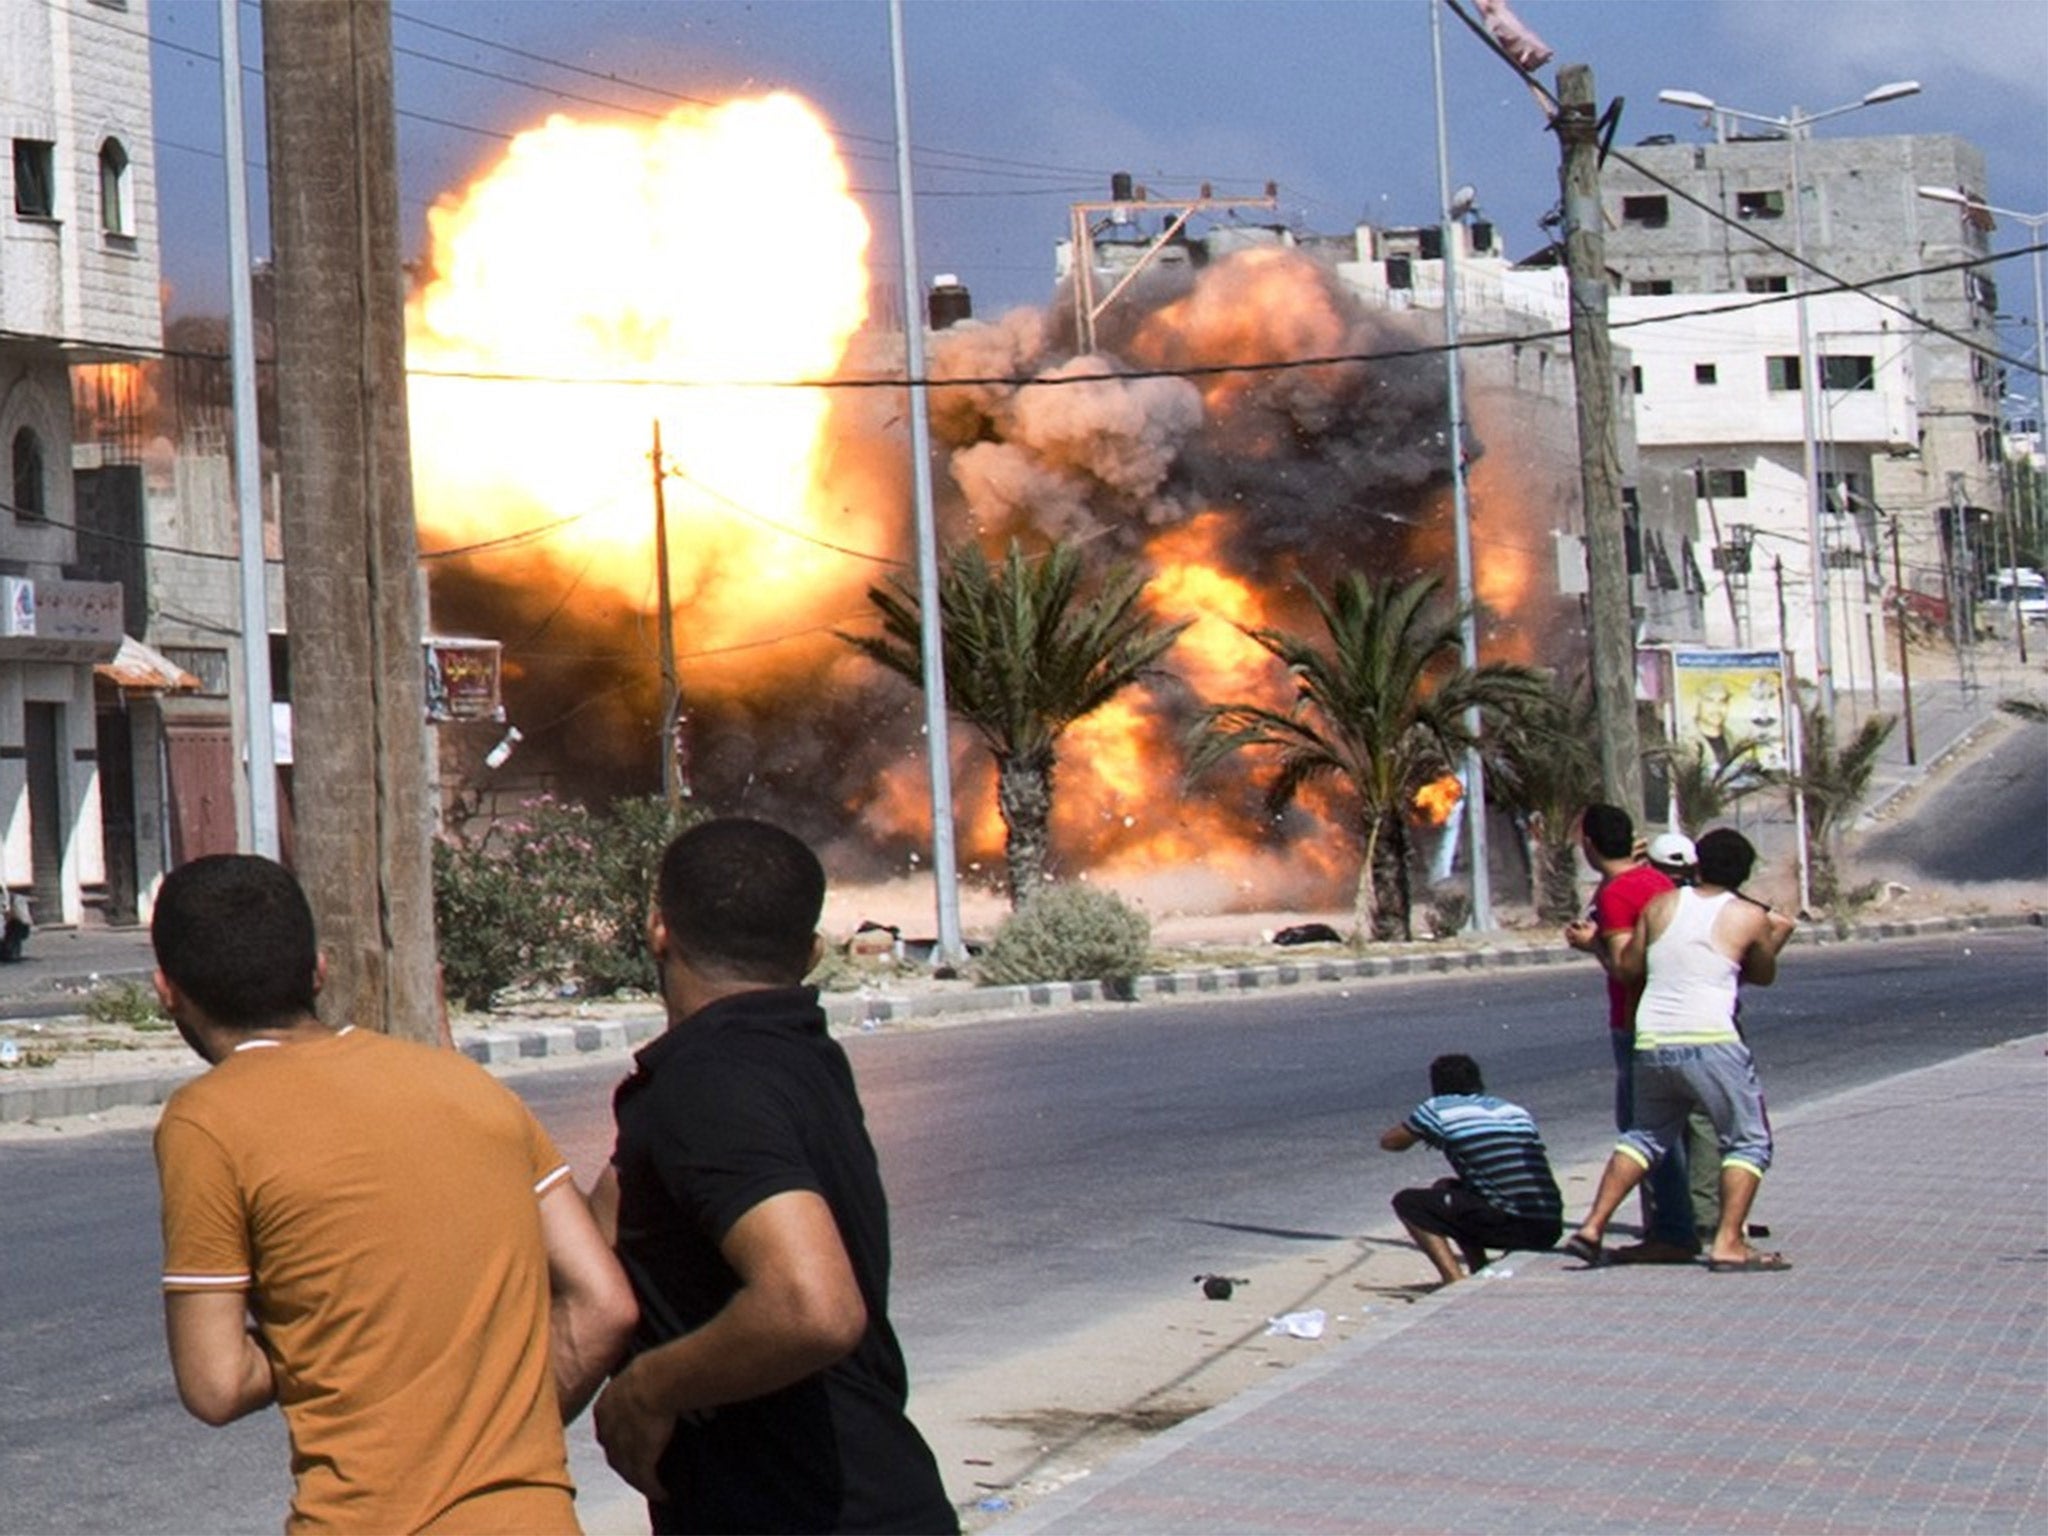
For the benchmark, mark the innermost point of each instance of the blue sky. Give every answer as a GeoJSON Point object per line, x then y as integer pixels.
{"type": "Point", "coordinates": [1019, 107]}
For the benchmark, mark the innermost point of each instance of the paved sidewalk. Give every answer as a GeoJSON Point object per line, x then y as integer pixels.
{"type": "Point", "coordinates": [1895, 1380]}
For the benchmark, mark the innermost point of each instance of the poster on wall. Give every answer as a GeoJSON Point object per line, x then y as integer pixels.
{"type": "Point", "coordinates": [1730, 706]}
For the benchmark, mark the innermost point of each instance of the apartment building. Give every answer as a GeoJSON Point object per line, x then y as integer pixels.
{"type": "Point", "coordinates": [78, 291]}
{"type": "Point", "coordinates": [1718, 217]}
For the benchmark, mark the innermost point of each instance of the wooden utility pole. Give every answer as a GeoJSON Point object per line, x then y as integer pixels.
{"type": "Point", "coordinates": [362, 809]}
{"type": "Point", "coordinates": [672, 787]}
{"type": "Point", "coordinates": [1613, 641]}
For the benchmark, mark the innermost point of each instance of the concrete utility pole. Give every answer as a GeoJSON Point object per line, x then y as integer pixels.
{"type": "Point", "coordinates": [363, 814]}
{"type": "Point", "coordinates": [1613, 640]}
{"type": "Point", "coordinates": [254, 583]}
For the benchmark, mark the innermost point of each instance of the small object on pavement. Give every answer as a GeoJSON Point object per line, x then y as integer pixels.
{"type": "Point", "coordinates": [1219, 1287]}
{"type": "Point", "coordinates": [1308, 933]}
{"type": "Point", "coordinates": [1758, 1229]}
{"type": "Point", "coordinates": [10, 1053]}
{"type": "Point", "coordinates": [1299, 1325]}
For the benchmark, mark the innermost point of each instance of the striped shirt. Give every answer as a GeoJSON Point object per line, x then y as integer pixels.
{"type": "Point", "coordinates": [1494, 1149]}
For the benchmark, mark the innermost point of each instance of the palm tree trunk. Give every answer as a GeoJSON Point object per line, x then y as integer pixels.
{"type": "Point", "coordinates": [1365, 908]}
{"type": "Point", "coordinates": [1555, 867]}
{"type": "Point", "coordinates": [1390, 880]}
{"type": "Point", "coordinates": [1024, 796]}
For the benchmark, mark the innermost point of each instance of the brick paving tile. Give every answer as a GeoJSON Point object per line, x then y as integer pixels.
{"type": "Point", "coordinates": [1895, 1380]}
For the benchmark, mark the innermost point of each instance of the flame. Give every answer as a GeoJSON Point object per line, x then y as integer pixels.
{"type": "Point", "coordinates": [1435, 801]}
{"type": "Point", "coordinates": [696, 271]}
{"type": "Point", "coordinates": [693, 266]}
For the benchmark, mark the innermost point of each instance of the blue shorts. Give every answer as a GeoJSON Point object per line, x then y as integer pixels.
{"type": "Point", "coordinates": [1671, 1081]}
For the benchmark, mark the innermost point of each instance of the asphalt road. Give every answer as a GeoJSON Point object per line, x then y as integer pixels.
{"type": "Point", "coordinates": [1045, 1172]}
{"type": "Point", "coordinates": [1986, 822]}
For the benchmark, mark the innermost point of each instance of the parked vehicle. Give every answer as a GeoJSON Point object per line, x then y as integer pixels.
{"type": "Point", "coordinates": [2025, 584]}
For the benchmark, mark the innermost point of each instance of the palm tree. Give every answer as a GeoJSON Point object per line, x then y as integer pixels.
{"type": "Point", "coordinates": [1705, 790]}
{"type": "Point", "coordinates": [1552, 771]}
{"type": "Point", "coordinates": [1834, 783]}
{"type": "Point", "coordinates": [1025, 656]}
{"type": "Point", "coordinates": [1380, 708]}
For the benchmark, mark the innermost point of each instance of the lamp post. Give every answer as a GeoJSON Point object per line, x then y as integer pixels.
{"type": "Point", "coordinates": [1795, 125]}
{"type": "Point", "coordinates": [1454, 209]}
{"type": "Point", "coordinates": [2033, 222]}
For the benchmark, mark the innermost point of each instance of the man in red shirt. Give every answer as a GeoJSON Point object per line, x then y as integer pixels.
{"type": "Point", "coordinates": [1628, 883]}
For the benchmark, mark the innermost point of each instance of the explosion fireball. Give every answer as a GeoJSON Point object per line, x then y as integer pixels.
{"type": "Point", "coordinates": [709, 271]}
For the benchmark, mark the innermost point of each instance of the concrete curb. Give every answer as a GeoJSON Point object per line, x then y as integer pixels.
{"type": "Point", "coordinates": [867, 1011]}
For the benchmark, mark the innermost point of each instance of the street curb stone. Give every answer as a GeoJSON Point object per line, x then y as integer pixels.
{"type": "Point", "coordinates": [867, 1011]}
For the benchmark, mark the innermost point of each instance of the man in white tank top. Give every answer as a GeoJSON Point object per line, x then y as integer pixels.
{"type": "Point", "coordinates": [1694, 948]}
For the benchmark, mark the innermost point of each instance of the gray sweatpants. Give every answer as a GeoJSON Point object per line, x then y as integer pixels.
{"type": "Point", "coordinates": [1720, 1080]}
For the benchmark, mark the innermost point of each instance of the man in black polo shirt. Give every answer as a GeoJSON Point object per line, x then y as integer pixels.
{"type": "Point", "coordinates": [766, 1391]}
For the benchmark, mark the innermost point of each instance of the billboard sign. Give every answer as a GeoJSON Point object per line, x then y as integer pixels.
{"type": "Point", "coordinates": [1729, 705]}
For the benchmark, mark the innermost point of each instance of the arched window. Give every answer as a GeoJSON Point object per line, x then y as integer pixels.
{"type": "Point", "coordinates": [28, 474]}
{"type": "Point", "coordinates": [116, 218]}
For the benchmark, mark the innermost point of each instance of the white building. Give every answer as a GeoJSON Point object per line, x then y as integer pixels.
{"type": "Point", "coordinates": [78, 285]}
{"type": "Point", "coordinates": [1715, 387]}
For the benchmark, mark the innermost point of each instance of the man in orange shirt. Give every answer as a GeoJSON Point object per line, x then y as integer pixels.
{"type": "Point", "coordinates": [375, 1235]}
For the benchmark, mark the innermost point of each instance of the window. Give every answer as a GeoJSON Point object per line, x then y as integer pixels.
{"type": "Point", "coordinates": [1650, 212]}
{"type": "Point", "coordinates": [1759, 205]}
{"type": "Point", "coordinates": [1846, 373]}
{"type": "Point", "coordinates": [1983, 292]}
{"type": "Point", "coordinates": [1842, 491]}
{"type": "Point", "coordinates": [1781, 373]}
{"type": "Point", "coordinates": [1650, 285]}
{"type": "Point", "coordinates": [207, 663]}
{"type": "Point", "coordinates": [1768, 282]}
{"type": "Point", "coordinates": [28, 475]}
{"type": "Point", "coordinates": [1635, 380]}
{"type": "Point", "coordinates": [115, 215]}
{"type": "Point", "coordinates": [1721, 484]}
{"type": "Point", "coordinates": [35, 178]}
{"type": "Point", "coordinates": [1705, 373]}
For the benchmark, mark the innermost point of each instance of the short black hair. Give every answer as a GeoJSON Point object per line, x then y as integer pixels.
{"type": "Point", "coordinates": [741, 900]}
{"type": "Point", "coordinates": [1455, 1074]}
{"type": "Point", "coordinates": [1726, 858]}
{"type": "Point", "coordinates": [234, 933]}
{"type": "Point", "coordinates": [1609, 829]}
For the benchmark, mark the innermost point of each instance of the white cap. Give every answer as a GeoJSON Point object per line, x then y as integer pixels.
{"type": "Point", "coordinates": [1673, 848]}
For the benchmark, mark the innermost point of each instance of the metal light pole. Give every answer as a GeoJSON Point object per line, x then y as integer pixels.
{"type": "Point", "coordinates": [258, 736]}
{"type": "Point", "coordinates": [952, 948]}
{"type": "Point", "coordinates": [1795, 125]}
{"type": "Point", "coordinates": [1475, 768]}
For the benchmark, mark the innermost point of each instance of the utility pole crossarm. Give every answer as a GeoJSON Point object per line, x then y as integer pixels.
{"type": "Point", "coordinates": [1089, 309]}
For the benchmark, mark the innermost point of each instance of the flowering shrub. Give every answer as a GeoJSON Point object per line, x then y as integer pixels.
{"type": "Point", "coordinates": [1069, 933]}
{"type": "Point", "coordinates": [555, 899]}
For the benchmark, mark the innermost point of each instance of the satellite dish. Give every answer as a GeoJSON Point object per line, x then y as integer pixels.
{"type": "Point", "coordinates": [1463, 201]}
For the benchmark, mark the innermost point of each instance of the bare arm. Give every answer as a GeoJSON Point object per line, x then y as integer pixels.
{"type": "Point", "coordinates": [1632, 949]}
{"type": "Point", "coordinates": [604, 1205]}
{"type": "Point", "coordinates": [221, 1371]}
{"type": "Point", "coordinates": [798, 1310]}
{"type": "Point", "coordinates": [592, 1311]}
{"type": "Point", "coordinates": [1398, 1138]}
{"type": "Point", "coordinates": [1760, 954]}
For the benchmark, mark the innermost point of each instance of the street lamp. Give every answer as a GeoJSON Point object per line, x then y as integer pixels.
{"type": "Point", "coordinates": [1455, 206]}
{"type": "Point", "coordinates": [1795, 125]}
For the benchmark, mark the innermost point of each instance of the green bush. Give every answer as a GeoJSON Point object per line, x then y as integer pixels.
{"type": "Point", "coordinates": [554, 899]}
{"type": "Point", "coordinates": [132, 1003]}
{"type": "Point", "coordinates": [1069, 933]}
